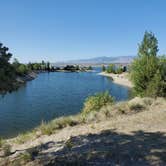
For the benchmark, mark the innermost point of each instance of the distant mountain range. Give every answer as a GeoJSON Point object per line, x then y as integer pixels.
{"type": "Point", "coordinates": [101, 60]}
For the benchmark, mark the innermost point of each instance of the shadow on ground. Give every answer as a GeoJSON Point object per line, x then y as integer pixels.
{"type": "Point", "coordinates": [106, 148]}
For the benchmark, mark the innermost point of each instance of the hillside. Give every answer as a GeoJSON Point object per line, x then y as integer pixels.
{"type": "Point", "coordinates": [127, 133]}
{"type": "Point", "coordinates": [100, 60]}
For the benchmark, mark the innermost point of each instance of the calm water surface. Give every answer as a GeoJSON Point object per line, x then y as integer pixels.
{"type": "Point", "coordinates": [49, 96]}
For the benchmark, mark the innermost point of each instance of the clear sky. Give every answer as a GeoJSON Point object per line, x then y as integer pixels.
{"type": "Point", "coordinates": [57, 30]}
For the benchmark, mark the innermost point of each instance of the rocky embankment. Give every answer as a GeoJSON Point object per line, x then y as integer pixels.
{"type": "Point", "coordinates": [27, 77]}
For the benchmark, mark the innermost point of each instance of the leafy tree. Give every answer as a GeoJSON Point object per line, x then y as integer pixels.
{"type": "Point", "coordinates": [7, 73]}
{"type": "Point", "coordinates": [22, 69]}
{"type": "Point", "coordinates": [111, 68]}
{"type": "Point", "coordinates": [157, 87]}
{"type": "Point", "coordinates": [119, 70]}
{"type": "Point", "coordinates": [30, 66]}
{"type": "Point", "coordinates": [146, 69]}
{"type": "Point", "coordinates": [16, 63]}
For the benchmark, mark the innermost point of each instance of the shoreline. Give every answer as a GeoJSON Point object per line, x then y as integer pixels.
{"type": "Point", "coordinates": [63, 135]}
{"type": "Point", "coordinates": [120, 79]}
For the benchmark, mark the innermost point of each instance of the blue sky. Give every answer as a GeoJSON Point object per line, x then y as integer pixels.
{"type": "Point", "coordinates": [57, 30]}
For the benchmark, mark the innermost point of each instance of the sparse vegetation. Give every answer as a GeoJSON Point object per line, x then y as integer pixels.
{"type": "Point", "coordinates": [22, 158]}
{"type": "Point", "coordinates": [112, 113]}
{"type": "Point", "coordinates": [24, 137]}
{"type": "Point", "coordinates": [6, 149]}
{"type": "Point", "coordinates": [51, 127]}
{"type": "Point", "coordinates": [1, 142]}
{"type": "Point", "coordinates": [104, 110]}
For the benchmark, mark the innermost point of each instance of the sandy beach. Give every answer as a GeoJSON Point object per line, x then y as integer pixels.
{"type": "Point", "coordinates": [119, 78]}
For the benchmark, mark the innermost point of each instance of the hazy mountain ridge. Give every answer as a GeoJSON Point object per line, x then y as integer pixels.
{"type": "Point", "coordinates": [100, 60]}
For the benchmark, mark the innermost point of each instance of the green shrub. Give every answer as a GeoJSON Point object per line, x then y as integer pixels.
{"type": "Point", "coordinates": [119, 70]}
{"type": "Point", "coordinates": [22, 69]}
{"type": "Point", "coordinates": [94, 103]}
{"type": "Point", "coordinates": [111, 68]}
{"type": "Point", "coordinates": [47, 128]}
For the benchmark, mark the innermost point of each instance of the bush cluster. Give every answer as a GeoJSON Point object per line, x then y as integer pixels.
{"type": "Point", "coordinates": [94, 103]}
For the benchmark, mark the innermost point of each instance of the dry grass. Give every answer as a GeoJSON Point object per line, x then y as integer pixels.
{"type": "Point", "coordinates": [143, 114]}
{"type": "Point", "coordinates": [107, 113]}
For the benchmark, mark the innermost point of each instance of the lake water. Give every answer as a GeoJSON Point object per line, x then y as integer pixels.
{"type": "Point", "coordinates": [49, 96]}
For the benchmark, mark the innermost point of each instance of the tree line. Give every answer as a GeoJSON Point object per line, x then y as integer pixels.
{"type": "Point", "coordinates": [10, 71]}
{"type": "Point", "coordinates": [116, 69]}
{"type": "Point", "coordinates": [147, 71]}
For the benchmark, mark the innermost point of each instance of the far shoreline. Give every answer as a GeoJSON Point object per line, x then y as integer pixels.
{"type": "Point", "coordinates": [120, 79]}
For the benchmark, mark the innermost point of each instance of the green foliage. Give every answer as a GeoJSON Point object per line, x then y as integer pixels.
{"type": "Point", "coordinates": [147, 70]}
{"type": "Point", "coordinates": [7, 73]}
{"type": "Point", "coordinates": [90, 68]}
{"type": "Point", "coordinates": [157, 87]}
{"type": "Point", "coordinates": [22, 69]}
{"type": "Point", "coordinates": [94, 103]}
{"type": "Point", "coordinates": [111, 68]}
{"type": "Point", "coordinates": [119, 70]}
{"type": "Point", "coordinates": [103, 68]}
{"type": "Point", "coordinates": [46, 129]}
